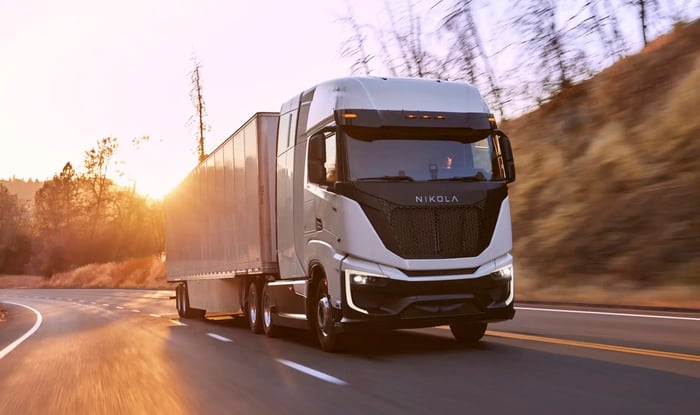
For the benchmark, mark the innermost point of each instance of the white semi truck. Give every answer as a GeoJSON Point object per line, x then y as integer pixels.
{"type": "Point", "coordinates": [366, 203]}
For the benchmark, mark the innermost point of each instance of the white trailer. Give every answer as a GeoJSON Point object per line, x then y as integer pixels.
{"type": "Point", "coordinates": [220, 222]}
{"type": "Point", "coordinates": [366, 203]}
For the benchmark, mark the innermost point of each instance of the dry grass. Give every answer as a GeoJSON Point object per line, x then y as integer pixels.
{"type": "Point", "coordinates": [607, 291]}
{"type": "Point", "coordinates": [143, 273]}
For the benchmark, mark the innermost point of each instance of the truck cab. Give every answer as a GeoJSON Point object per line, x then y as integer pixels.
{"type": "Point", "coordinates": [392, 210]}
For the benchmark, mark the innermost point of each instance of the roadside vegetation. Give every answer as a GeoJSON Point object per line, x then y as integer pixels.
{"type": "Point", "coordinates": [141, 273]}
{"type": "Point", "coordinates": [608, 176]}
{"type": "Point", "coordinates": [78, 217]}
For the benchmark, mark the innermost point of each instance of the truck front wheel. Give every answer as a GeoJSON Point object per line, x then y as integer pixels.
{"type": "Point", "coordinates": [323, 318]}
{"type": "Point", "coordinates": [468, 331]}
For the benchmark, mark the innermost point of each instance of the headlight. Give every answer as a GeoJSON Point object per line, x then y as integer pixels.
{"type": "Point", "coordinates": [505, 273]}
{"type": "Point", "coordinates": [366, 278]}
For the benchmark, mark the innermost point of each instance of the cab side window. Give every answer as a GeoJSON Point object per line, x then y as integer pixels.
{"type": "Point", "coordinates": [330, 164]}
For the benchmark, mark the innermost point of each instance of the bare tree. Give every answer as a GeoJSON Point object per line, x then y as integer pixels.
{"type": "Point", "coordinates": [602, 21]}
{"type": "Point", "coordinates": [355, 47]}
{"type": "Point", "coordinates": [197, 98]}
{"type": "Point", "coordinates": [400, 42]}
{"type": "Point", "coordinates": [558, 61]}
{"type": "Point", "coordinates": [641, 6]}
{"type": "Point", "coordinates": [97, 162]}
{"type": "Point", "coordinates": [470, 56]}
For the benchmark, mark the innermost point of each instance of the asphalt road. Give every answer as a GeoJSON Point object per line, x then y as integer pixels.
{"type": "Point", "coordinates": [125, 352]}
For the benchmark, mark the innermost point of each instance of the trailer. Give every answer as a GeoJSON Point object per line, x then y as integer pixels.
{"type": "Point", "coordinates": [220, 225]}
{"type": "Point", "coordinates": [365, 203]}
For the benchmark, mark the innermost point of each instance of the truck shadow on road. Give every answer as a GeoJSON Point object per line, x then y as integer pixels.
{"type": "Point", "coordinates": [371, 344]}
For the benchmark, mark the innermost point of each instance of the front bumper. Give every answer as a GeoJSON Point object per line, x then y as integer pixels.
{"type": "Point", "coordinates": [413, 304]}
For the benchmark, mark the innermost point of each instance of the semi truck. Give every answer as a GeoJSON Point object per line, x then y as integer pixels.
{"type": "Point", "coordinates": [366, 203]}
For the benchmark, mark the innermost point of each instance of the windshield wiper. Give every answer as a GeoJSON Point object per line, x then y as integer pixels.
{"type": "Point", "coordinates": [388, 178]}
{"type": "Point", "coordinates": [476, 178]}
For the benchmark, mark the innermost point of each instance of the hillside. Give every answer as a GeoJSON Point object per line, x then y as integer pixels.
{"type": "Point", "coordinates": [24, 189]}
{"type": "Point", "coordinates": [608, 186]}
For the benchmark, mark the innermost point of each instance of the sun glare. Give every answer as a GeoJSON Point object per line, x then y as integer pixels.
{"type": "Point", "coordinates": [154, 169]}
{"type": "Point", "coordinates": [154, 189]}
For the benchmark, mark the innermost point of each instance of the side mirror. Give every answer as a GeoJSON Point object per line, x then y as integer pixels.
{"type": "Point", "coordinates": [317, 159]}
{"type": "Point", "coordinates": [506, 155]}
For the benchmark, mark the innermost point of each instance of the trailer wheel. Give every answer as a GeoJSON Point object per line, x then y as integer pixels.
{"type": "Point", "coordinates": [179, 301]}
{"type": "Point", "coordinates": [323, 318]}
{"type": "Point", "coordinates": [182, 303]}
{"type": "Point", "coordinates": [253, 307]}
{"type": "Point", "coordinates": [468, 331]}
{"type": "Point", "coordinates": [268, 305]}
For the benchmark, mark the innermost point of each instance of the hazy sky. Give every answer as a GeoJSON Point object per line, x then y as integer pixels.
{"type": "Point", "coordinates": [74, 71]}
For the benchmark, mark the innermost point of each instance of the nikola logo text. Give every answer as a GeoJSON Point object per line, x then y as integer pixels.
{"type": "Point", "coordinates": [437, 199]}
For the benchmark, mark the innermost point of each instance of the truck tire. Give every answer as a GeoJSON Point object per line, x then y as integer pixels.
{"type": "Point", "coordinates": [179, 303]}
{"type": "Point", "coordinates": [253, 307]}
{"type": "Point", "coordinates": [268, 305]}
{"type": "Point", "coordinates": [182, 303]}
{"type": "Point", "coordinates": [322, 319]}
{"type": "Point", "coordinates": [468, 331]}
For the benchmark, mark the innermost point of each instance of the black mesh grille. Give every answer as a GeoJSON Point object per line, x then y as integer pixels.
{"type": "Point", "coordinates": [434, 231]}
{"type": "Point", "coordinates": [458, 225]}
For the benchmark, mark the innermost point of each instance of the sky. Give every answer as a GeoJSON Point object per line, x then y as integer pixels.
{"type": "Point", "coordinates": [75, 71]}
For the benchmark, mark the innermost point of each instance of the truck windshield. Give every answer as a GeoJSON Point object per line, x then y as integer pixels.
{"type": "Point", "coordinates": [416, 159]}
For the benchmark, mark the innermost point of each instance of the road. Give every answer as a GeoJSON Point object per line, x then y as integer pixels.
{"type": "Point", "coordinates": [125, 352]}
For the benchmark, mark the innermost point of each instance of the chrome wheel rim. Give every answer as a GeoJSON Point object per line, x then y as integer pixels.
{"type": "Point", "coordinates": [323, 317]}
{"type": "Point", "coordinates": [267, 314]}
{"type": "Point", "coordinates": [252, 311]}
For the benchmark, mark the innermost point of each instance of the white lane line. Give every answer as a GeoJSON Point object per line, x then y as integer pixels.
{"type": "Point", "coordinates": [120, 307]}
{"type": "Point", "coordinates": [605, 313]}
{"type": "Point", "coordinates": [155, 315]}
{"type": "Point", "coordinates": [24, 337]}
{"type": "Point", "coordinates": [220, 338]}
{"type": "Point", "coordinates": [178, 322]}
{"type": "Point", "coordinates": [136, 311]}
{"type": "Point", "coordinates": [106, 305]}
{"type": "Point", "coordinates": [312, 372]}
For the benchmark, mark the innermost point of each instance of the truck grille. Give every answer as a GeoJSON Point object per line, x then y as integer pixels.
{"type": "Point", "coordinates": [426, 232]}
